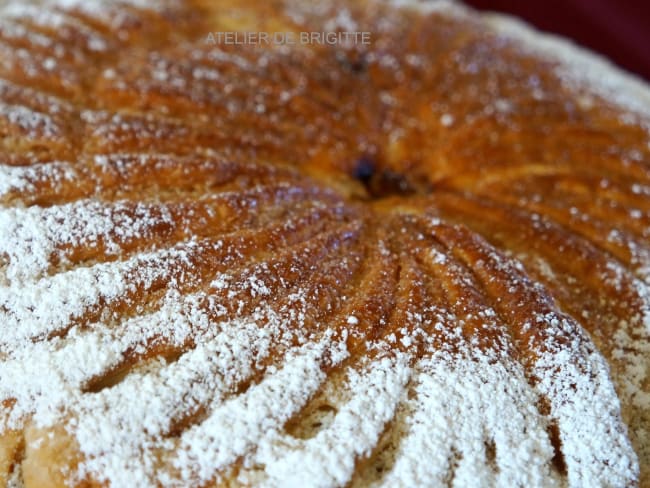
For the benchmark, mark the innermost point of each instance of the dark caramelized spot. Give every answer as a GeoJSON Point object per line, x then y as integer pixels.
{"type": "Point", "coordinates": [388, 183]}
{"type": "Point", "coordinates": [380, 182]}
{"type": "Point", "coordinates": [354, 63]}
{"type": "Point", "coordinates": [491, 453]}
{"type": "Point", "coordinates": [558, 457]}
{"type": "Point", "coordinates": [364, 169]}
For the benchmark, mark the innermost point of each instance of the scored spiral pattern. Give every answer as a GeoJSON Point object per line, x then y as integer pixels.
{"type": "Point", "coordinates": [411, 263]}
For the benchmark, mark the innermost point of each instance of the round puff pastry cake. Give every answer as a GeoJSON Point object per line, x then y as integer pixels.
{"type": "Point", "coordinates": [422, 261]}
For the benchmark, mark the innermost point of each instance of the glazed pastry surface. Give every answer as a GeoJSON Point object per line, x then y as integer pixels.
{"type": "Point", "coordinates": [422, 261]}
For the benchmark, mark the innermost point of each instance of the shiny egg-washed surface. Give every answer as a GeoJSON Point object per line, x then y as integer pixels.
{"type": "Point", "coordinates": [419, 262]}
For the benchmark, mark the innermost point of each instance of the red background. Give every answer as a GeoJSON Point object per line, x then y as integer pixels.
{"type": "Point", "coordinates": [618, 29]}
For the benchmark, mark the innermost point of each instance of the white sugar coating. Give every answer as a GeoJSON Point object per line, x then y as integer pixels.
{"type": "Point", "coordinates": [576, 64]}
{"type": "Point", "coordinates": [634, 353]}
{"type": "Point", "coordinates": [30, 122]}
{"type": "Point", "coordinates": [93, 351]}
{"type": "Point", "coordinates": [329, 458]}
{"type": "Point", "coordinates": [469, 418]}
{"type": "Point", "coordinates": [207, 373]}
{"type": "Point", "coordinates": [33, 235]}
{"type": "Point", "coordinates": [48, 17]}
{"type": "Point", "coordinates": [24, 179]}
{"type": "Point", "coordinates": [255, 415]}
{"type": "Point", "coordinates": [17, 31]}
{"type": "Point", "coordinates": [343, 21]}
{"type": "Point", "coordinates": [49, 304]}
{"type": "Point", "coordinates": [97, 7]}
{"type": "Point", "coordinates": [35, 13]}
{"type": "Point", "coordinates": [580, 65]}
{"type": "Point", "coordinates": [575, 378]}
{"type": "Point", "coordinates": [632, 348]}
{"type": "Point", "coordinates": [52, 14]}
{"type": "Point", "coordinates": [459, 407]}
{"type": "Point", "coordinates": [36, 100]}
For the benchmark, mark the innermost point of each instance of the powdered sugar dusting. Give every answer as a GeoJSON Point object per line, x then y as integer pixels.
{"type": "Point", "coordinates": [34, 236]}
{"type": "Point", "coordinates": [15, 180]}
{"type": "Point", "coordinates": [632, 352]}
{"type": "Point", "coordinates": [207, 373]}
{"type": "Point", "coordinates": [278, 396]}
{"type": "Point", "coordinates": [29, 121]}
{"type": "Point", "coordinates": [577, 64]}
{"type": "Point", "coordinates": [329, 458]}
{"type": "Point", "coordinates": [459, 407]}
{"type": "Point", "coordinates": [271, 326]}
{"type": "Point", "coordinates": [632, 341]}
{"type": "Point", "coordinates": [51, 303]}
{"type": "Point", "coordinates": [581, 66]}
{"type": "Point", "coordinates": [581, 392]}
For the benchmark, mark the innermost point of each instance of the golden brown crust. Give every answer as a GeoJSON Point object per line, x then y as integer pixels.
{"type": "Point", "coordinates": [440, 193]}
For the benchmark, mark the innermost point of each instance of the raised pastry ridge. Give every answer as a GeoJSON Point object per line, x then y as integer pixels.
{"type": "Point", "coordinates": [422, 262]}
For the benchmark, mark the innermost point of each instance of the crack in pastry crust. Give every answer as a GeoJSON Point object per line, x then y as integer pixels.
{"type": "Point", "coordinates": [419, 262]}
